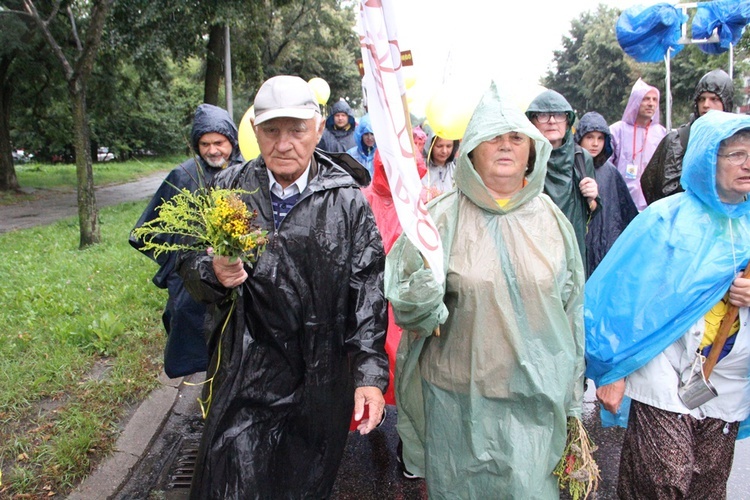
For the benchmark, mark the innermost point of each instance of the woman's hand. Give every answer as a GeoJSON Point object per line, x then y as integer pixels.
{"type": "Point", "coordinates": [610, 395]}
{"type": "Point", "coordinates": [589, 188]}
{"type": "Point", "coordinates": [739, 292]}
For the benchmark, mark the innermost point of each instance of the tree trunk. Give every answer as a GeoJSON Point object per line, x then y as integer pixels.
{"type": "Point", "coordinates": [88, 216]}
{"type": "Point", "coordinates": [8, 179]}
{"type": "Point", "coordinates": [214, 64]}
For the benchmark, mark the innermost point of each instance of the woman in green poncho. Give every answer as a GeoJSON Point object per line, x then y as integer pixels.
{"type": "Point", "coordinates": [483, 406]}
{"type": "Point", "coordinates": [571, 178]}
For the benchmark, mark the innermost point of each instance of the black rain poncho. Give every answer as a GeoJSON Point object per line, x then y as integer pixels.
{"type": "Point", "coordinates": [662, 175]}
{"type": "Point", "coordinates": [483, 407]}
{"type": "Point", "coordinates": [308, 327]}
{"type": "Point", "coordinates": [618, 208]}
{"type": "Point", "coordinates": [186, 321]}
{"type": "Point", "coordinates": [563, 177]}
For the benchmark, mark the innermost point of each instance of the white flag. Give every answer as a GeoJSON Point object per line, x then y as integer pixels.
{"type": "Point", "coordinates": [385, 88]}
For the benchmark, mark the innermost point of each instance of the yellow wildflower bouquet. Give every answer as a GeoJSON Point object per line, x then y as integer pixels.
{"type": "Point", "coordinates": [216, 218]}
{"type": "Point", "coordinates": [206, 218]}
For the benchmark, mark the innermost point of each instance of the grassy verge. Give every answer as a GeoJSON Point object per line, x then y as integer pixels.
{"type": "Point", "coordinates": [63, 176]}
{"type": "Point", "coordinates": [80, 345]}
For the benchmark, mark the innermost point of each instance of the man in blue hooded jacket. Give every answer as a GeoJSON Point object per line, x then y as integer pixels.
{"type": "Point", "coordinates": [187, 322]}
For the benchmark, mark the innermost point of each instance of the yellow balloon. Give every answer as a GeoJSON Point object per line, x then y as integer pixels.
{"type": "Point", "coordinates": [450, 110]}
{"type": "Point", "coordinates": [321, 89]}
{"type": "Point", "coordinates": [246, 136]}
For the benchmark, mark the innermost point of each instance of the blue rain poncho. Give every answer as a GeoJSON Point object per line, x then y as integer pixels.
{"type": "Point", "coordinates": [483, 407]}
{"type": "Point", "coordinates": [361, 152]}
{"type": "Point", "coordinates": [670, 266]}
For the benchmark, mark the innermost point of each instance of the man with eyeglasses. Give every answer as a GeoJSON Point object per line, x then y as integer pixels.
{"type": "Point", "coordinates": [636, 136]}
{"type": "Point", "coordinates": [570, 179]}
{"type": "Point", "coordinates": [661, 178]}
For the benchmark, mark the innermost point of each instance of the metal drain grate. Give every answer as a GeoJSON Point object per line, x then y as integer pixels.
{"type": "Point", "coordinates": [183, 468]}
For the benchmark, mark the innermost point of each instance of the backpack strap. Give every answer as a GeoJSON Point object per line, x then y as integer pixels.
{"type": "Point", "coordinates": [579, 163]}
{"type": "Point", "coordinates": [684, 134]}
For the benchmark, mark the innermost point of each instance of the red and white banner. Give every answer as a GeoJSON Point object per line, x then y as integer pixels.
{"type": "Point", "coordinates": [385, 88]}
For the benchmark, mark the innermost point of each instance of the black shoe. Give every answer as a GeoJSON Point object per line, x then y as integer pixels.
{"type": "Point", "coordinates": [400, 459]}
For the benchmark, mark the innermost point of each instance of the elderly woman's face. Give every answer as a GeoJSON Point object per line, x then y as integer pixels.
{"type": "Point", "coordinates": [501, 162]}
{"type": "Point", "coordinates": [733, 170]}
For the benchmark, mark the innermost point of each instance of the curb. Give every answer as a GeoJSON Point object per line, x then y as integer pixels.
{"type": "Point", "coordinates": [138, 434]}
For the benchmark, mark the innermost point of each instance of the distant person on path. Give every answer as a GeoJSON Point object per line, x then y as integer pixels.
{"type": "Point", "coordinates": [715, 90]}
{"type": "Point", "coordinates": [571, 179]}
{"type": "Point", "coordinates": [338, 136]}
{"type": "Point", "coordinates": [618, 209]}
{"type": "Point", "coordinates": [653, 310]}
{"type": "Point", "coordinates": [364, 151]}
{"type": "Point", "coordinates": [188, 322]}
{"type": "Point", "coordinates": [305, 345]}
{"type": "Point", "coordinates": [636, 136]}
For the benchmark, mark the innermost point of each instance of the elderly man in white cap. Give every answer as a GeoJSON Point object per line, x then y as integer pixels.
{"type": "Point", "coordinates": [303, 347]}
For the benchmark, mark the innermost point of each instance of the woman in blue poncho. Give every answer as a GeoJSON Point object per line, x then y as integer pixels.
{"type": "Point", "coordinates": [652, 309]}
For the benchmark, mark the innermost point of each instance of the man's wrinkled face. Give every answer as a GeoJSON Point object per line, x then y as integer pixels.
{"type": "Point", "coordinates": [287, 145]}
{"type": "Point", "coordinates": [340, 120]}
{"type": "Point", "coordinates": [649, 105]}
{"type": "Point", "coordinates": [215, 149]}
{"type": "Point", "coordinates": [708, 101]}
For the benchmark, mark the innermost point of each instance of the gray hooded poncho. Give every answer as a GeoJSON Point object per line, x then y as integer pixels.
{"type": "Point", "coordinates": [483, 407]}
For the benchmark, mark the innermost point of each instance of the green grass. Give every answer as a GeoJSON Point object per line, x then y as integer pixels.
{"type": "Point", "coordinates": [81, 344]}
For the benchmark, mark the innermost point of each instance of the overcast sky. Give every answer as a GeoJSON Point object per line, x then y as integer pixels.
{"type": "Point", "coordinates": [473, 41]}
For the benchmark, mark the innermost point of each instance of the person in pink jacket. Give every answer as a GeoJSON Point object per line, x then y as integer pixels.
{"type": "Point", "coordinates": [636, 136]}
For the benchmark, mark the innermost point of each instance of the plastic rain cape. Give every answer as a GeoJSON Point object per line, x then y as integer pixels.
{"type": "Point", "coordinates": [671, 264]}
{"type": "Point", "coordinates": [483, 407]}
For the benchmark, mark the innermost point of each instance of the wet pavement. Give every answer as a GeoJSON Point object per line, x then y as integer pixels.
{"type": "Point", "coordinates": [369, 469]}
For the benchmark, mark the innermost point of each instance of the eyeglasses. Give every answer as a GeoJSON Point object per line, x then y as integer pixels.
{"type": "Point", "coordinates": [545, 117]}
{"type": "Point", "coordinates": [736, 158]}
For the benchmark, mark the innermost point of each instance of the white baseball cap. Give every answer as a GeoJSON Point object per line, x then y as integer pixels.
{"type": "Point", "coordinates": [285, 96]}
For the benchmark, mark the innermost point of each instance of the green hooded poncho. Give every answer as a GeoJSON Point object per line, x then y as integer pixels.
{"type": "Point", "coordinates": [483, 407]}
{"type": "Point", "coordinates": [561, 183]}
